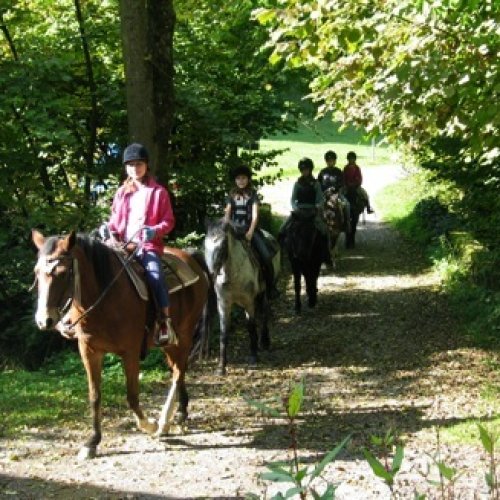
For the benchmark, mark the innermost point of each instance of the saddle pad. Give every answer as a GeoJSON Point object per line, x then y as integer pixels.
{"type": "Point", "coordinates": [177, 273]}
{"type": "Point", "coordinates": [137, 280]}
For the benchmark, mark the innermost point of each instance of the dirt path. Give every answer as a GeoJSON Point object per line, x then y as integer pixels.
{"type": "Point", "coordinates": [380, 351]}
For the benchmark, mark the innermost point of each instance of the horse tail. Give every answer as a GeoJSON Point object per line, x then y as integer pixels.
{"type": "Point", "coordinates": [201, 336]}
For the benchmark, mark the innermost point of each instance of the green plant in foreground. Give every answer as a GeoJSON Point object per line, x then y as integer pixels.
{"type": "Point", "coordinates": [293, 472]}
{"type": "Point", "coordinates": [447, 475]}
{"type": "Point", "coordinates": [489, 441]}
{"type": "Point", "coordinates": [385, 470]}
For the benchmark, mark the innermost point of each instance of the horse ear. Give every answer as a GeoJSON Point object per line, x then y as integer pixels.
{"type": "Point", "coordinates": [38, 238]}
{"type": "Point", "coordinates": [69, 241]}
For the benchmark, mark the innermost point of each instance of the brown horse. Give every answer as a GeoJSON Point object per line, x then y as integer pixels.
{"type": "Point", "coordinates": [81, 281]}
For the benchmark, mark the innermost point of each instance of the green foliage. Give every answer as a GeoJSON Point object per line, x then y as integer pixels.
{"type": "Point", "coordinates": [410, 70]}
{"type": "Point", "coordinates": [489, 442]}
{"type": "Point", "coordinates": [385, 444]}
{"type": "Point", "coordinates": [227, 98]}
{"type": "Point", "coordinates": [293, 472]}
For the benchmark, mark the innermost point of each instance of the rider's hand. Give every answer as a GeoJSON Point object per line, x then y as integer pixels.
{"type": "Point", "coordinates": [249, 235]}
{"type": "Point", "coordinates": [148, 233]}
{"type": "Point", "coordinates": [104, 232]}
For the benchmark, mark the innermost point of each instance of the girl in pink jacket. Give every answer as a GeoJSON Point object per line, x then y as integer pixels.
{"type": "Point", "coordinates": [142, 214]}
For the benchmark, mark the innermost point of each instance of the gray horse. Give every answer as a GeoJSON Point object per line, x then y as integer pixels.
{"type": "Point", "coordinates": [238, 279]}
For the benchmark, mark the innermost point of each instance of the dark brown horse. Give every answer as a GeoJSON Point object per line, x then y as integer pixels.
{"type": "Point", "coordinates": [357, 205]}
{"type": "Point", "coordinates": [81, 281]}
{"type": "Point", "coordinates": [305, 245]}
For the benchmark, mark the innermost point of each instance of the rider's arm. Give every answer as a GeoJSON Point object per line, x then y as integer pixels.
{"type": "Point", "coordinates": [227, 212]}
{"type": "Point", "coordinates": [159, 214]}
{"type": "Point", "coordinates": [255, 220]}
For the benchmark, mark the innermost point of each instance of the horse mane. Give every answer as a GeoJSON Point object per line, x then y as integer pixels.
{"type": "Point", "coordinates": [100, 256]}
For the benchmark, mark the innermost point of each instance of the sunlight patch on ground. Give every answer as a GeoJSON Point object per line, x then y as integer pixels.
{"type": "Point", "coordinates": [378, 283]}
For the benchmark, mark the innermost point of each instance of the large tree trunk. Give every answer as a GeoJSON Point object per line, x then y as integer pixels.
{"type": "Point", "coordinates": [147, 37]}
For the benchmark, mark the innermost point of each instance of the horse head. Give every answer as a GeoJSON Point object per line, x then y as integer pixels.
{"type": "Point", "coordinates": [54, 274]}
{"type": "Point", "coordinates": [216, 245]}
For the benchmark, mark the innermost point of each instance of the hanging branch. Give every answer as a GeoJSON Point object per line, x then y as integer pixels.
{"type": "Point", "coordinates": [94, 114]}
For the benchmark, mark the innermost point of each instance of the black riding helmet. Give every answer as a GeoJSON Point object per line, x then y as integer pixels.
{"type": "Point", "coordinates": [330, 155]}
{"type": "Point", "coordinates": [240, 170]}
{"type": "Point", "coordinates": [135, 152]}
{"type": "Point", "coordinates": [306, 163]}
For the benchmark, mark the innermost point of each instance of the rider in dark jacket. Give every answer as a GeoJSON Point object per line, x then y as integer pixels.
{"type": "Point", "coordinates": [331, 175]}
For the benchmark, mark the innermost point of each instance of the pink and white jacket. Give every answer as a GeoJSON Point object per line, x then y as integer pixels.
{"type": "Point", "coordinates": [159, 214]}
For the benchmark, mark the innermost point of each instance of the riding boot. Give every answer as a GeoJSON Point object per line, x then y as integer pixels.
{"type": "Point", "coordinates": [166, 333]}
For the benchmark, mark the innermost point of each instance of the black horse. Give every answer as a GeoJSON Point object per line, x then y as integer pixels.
{"type": "Point", "coordinates": [357, 207]}
{"type": "Point", "coordinates": [305, 246]}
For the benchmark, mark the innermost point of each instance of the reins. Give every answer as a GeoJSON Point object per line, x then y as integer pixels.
{"type": "Point", "coordinates": [105, 291]}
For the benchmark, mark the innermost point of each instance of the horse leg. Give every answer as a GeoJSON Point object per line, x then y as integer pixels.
{"type": "Point", "coordinates": [92, 362]}
{"type": "Point", "coordinates": [225, 325]}
{"type": "Point", "coordinates": [263, 313]}
{"type": "Point", "coordinates": [131, 368]}
{"type": "Point", "coordinates": [297, 277]}
{"type": "Point", "coordinates": [183, 401]}
{"type": "Point", "coordinates": [334, 248]}
{"type": "Point", "coordinates": [177, 388]}
{"type": "Point", "coordinates": [311, 287]}
{"type": "Point", "coordinates": [354, 225]}
{"type": "Point", "coordinates": [252, 334]}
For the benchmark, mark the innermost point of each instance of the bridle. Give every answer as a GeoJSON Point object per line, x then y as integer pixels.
{"type": "Point", "coordinates": [73, 288]}
{"type": "Point", "coordinates": [48, 267]}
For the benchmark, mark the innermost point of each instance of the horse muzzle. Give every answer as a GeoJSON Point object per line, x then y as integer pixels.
{"type": "Point", "coordinates": [46, 319]}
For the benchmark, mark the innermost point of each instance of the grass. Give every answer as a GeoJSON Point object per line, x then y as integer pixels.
{"type": "Point", "coordinates": [315, 137]}
{"type": "Point", "coordinates": [57, 394]}
{"type": "Point", "coordinates": [396, 204]}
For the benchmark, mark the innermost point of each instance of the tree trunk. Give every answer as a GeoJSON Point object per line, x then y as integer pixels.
{"type": "Point", "coordinates": [147, 37]}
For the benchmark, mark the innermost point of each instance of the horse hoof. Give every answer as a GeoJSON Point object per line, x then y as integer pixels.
{"type": "Point", "coordinates": [180, 417]}
{"type": "Point", "coordinates": [220, 371]}
{"type": "Point", "coordinates": [162, 434]}
{"type": "Point", "coordinates": [252, 361]}
{"type": "Point", "coordinates": [148, 425]}
{"type": "Point", "coordinates": [87, 453]}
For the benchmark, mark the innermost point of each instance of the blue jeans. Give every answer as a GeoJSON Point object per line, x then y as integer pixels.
{"type": "Point", "coordinates": [154, 274]}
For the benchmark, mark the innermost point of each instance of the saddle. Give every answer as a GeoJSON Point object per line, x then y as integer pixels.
{"type": "Point", "coordinates": [178, 274]}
